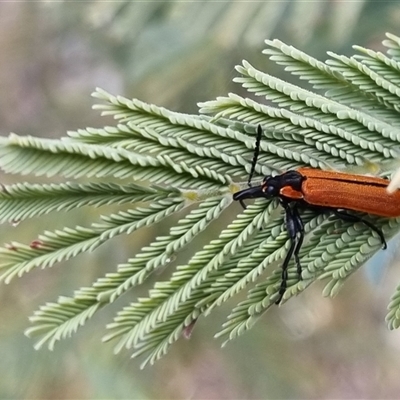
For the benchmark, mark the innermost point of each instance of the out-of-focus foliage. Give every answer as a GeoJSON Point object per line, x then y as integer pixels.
{"type": "Point", "coordinates": [198, 160]}
{"type": "Point", "coordinates": [53, 55]}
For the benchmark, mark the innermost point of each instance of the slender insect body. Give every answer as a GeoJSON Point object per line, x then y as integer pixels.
{"type": "Point", "coordinates": [323, 191]}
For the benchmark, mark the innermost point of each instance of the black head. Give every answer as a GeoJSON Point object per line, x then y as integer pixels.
{"type": "Point", "coordinates": [271, 186]}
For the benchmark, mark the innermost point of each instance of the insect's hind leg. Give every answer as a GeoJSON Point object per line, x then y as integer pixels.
{"type": "Point", "coordinates": [355, 218]}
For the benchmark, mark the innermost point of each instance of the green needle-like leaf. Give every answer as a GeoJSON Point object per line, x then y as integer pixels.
{"type": "Point", "coordinates": [340, 114]}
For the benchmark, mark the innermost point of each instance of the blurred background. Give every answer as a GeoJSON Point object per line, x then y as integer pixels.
{"type": "Point", "coordinates": [176, 54]}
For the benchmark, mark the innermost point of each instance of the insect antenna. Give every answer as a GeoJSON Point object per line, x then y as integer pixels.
{"type": "Point", "coordinates": [255, 155]}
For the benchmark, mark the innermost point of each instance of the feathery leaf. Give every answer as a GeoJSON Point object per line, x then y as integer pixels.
{"type": "Point", "coordinates": [194, 163]}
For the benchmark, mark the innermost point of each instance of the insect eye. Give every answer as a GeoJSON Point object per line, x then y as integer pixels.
{"type": "Point", "coordinates": [269, 190]}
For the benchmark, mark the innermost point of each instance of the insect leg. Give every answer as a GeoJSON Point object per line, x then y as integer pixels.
{"type": "Point", "coordinates": [355, 218]}
{"type": "Point", "coordinates": [299, 237]}
{"type": "Point", "coordinates": [294, 225]}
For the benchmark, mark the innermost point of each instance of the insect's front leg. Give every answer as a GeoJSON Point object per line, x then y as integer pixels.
{"type": "Point", "coordinates": [295, 228]}
{"type": "Point", "coordinates": [299, 236]}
